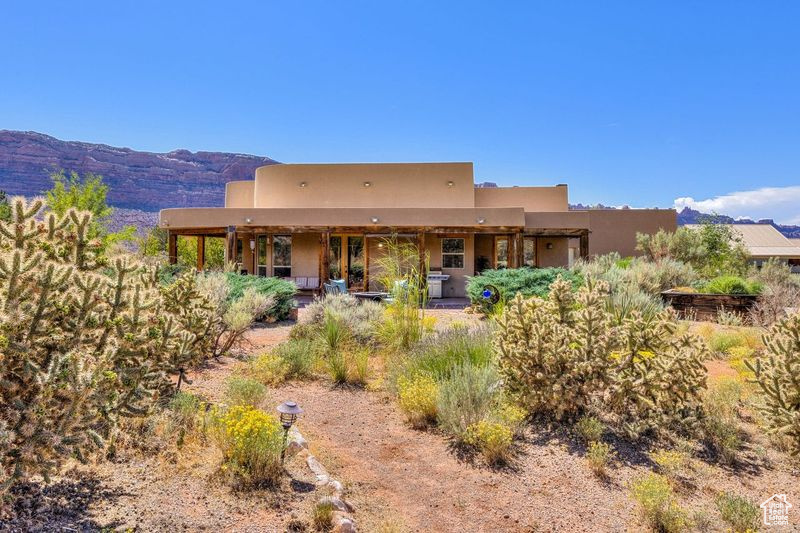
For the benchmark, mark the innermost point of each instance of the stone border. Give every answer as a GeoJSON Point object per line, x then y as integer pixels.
{"type": "Point", "coordinates": [342, 510]}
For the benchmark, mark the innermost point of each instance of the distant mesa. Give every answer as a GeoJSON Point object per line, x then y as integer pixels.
{"type": "Point", "coordinates": [142, 181]}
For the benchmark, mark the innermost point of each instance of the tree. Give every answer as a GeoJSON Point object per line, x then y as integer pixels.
{"type": "Point", "coordinates": [5, 208]}
{"type": "Point", "coordinates": [86, 193]}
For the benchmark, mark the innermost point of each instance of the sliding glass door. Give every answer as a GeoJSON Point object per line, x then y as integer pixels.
{"type": "Point", "coordinates": [346, 259]}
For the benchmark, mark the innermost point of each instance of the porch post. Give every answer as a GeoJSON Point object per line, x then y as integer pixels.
{"type": "Point", "coordinates": [324, 256]}
{"type": "Point", "coordinates": [517, 251]}
{"type": "Point", "coordinates": [201, 252]}
{"type": "Point", "coordinates": [585, 245]}
{"type": "Point", "coordinates": [172, 247]}
{"type": "Point", "coordinates": [230, 244]}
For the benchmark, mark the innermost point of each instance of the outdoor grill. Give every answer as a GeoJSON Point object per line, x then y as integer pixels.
{"type": "Point", "coordinates": [435, 279]}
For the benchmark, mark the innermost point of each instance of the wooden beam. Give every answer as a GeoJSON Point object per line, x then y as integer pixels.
{"type": "Point", "coordinates": [230, 245]}
{"type": "Point", "coordinates": [584, 245]}
{"type": "Point", "coordinates": [172, 247]}
{"type": "Point", "coordinates": [201, 252]}
{"type": "Point", "coordinates": [324, 256]}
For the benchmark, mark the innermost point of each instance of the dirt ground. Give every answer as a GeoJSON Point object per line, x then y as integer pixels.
{"type": "Point", "coordinates": [397, 478]}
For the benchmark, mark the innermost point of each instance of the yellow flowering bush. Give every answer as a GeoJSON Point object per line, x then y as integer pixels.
{"type": "Point", "coordinates": [511, 416]}
{"type": "Point", "coordinates": [251, 442]}
{"type": "Point", "coordinates": [417, 396]}
{"type": "Point", "coordinates": [493, 439]}
{"type": "Point", "coordinates": [673, 464]}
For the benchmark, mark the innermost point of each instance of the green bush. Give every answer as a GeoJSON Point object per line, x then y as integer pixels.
{"type": "Point", "coordinates": [636, 275]}
{"type": "Point", "coordinates": [282, 292]}
{"type": "Point", "coordinates": [738, 512]}
{"type": "Point", "coordinates": [658, 504]}
{"type": "Point", "coordinates": [599, 455]}
{"type": "Point", "coordinates": [298, 356]}
{"type": "Point", "coordinates": [245, 391]}
{"type": "Point", "coordinates": [466, 397]}
{"type": "Point", "coordinates": [732, 285]}
{"type": "Point", "coordinates": [512, 281]}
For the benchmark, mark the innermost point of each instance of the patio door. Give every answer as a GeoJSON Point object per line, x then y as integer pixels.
{"type": "Point", "coordinates": [346, 259]}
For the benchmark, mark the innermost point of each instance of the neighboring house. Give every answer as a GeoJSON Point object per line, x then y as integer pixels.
{"type": "Point", "coordinates": [764, 241]}
{"type": "Point", "coordinates": [321, 221]}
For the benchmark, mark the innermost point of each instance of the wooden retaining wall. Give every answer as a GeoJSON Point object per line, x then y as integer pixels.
{"type": "Point", "coordinates": [701, 306]}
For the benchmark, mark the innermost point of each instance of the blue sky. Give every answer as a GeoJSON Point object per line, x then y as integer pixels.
{"type": "Point", "coordinates": [628, 102]}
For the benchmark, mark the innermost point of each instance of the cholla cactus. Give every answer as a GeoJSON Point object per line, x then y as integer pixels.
{"type": "Point", "coordinates": [553, 354]}
{"type": "Point", "coordinates": [565, 356]}
{"type": "Point", "coordinates": [83, 341]}
{"type": "Point", "coordinates": [778, 375]}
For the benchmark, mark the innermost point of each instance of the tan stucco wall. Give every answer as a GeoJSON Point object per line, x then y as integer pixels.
{"type": "Point", "coordinates": [558, 256]}
{"type": "Point", "coordinates": [615, 230]}
{"type": "Point", "coordinates": [342, 185]}
{"type": "Point", "coordinates": [455, 287]}
{"type": "Point", "coordinates": [239, 193]}
{"type": "Point", "coordinates": [530, 198]}
{"type": "Point", "coordinates": [484, 246]}
{"type": "Point", "coordinates": [305, 255]}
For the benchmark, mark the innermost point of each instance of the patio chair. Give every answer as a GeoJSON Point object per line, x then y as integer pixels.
{"type": "Point", "coordinates": [339, 285]}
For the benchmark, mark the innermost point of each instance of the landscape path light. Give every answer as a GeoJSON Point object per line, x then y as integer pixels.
{"type": "Point", "coordinates": [288, 415]}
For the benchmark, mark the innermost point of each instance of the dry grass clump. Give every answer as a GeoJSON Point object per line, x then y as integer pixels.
{"type": "Point", "coordinates": [599, 455]}
{"type": "Point", "coordinates": [322, 516]}
{"type": "Point", "coordinates": [738, 512]}
{"type": "Point", "coordinates": [721, 425]}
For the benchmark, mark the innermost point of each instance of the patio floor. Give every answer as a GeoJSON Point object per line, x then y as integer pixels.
{"type": "Point", "coordinates": [437, 303]}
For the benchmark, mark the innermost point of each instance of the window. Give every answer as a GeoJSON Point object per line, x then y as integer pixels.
{"type": "Point", "coordinates": [282, 256]}
{"type": "Point", "coordinates": [529, 251]}
{"type": "Point", "coordinates": [262, 255]}
{"type": "Point", "coordinates": [239, 247]}
{"type": "Point", "coordinates": [453, 253]}
{"type": "Point", "coordinates": [501, 252]}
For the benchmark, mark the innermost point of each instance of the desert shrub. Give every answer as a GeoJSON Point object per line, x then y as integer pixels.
{"type": "Point", "coordinates": [245, 391]}
{"type": "Point", "coordinates": [624, 303]}
{"type": "Point", "coordinates": [85, 339]}
{"type": "Point", "coordinates": [512, 281]}
{"type": "Point", "coordinates": [466, 397]}
{"type": "Point", "coordinates": [781, 293]}
{"type": "Point", "coordinates": [637, 275]}
{"type": "Point", "coordinates": [590, 428]}
{"type": "Point", "coordinates": [333, 334]}
{"type": "Point", "coordinates": [673, 464]}
{"type": "Point", "coordinates": [438, 354]}
{"type": "Point", "coordinates": [493, 439]}
{"type": "Point", "coordinates": [510, 415]}
{"type": "Point", "coordinates": [337, 366]}
{"type": "Point", "coordinates": [720, 427]}
{"type": "Point", "coordinates": [599, 455]}
{"type": "Point", "coordinates": [280, 292]}
{"type": "Point", "coordinates": [417, 397]}
{"type": "Point", "coordinates": [359, 317]}
{"type": "Point", "coordinates": [184, 409]}
{"type": "Point", "coordinates": [349, 365]}
{"type": "Point", "coordinates": [776, 373]}
{"type": "Point", "coordinates": [267, 368]}
{"type": "Point", "coordinates": [724, 341]}
{"type": "Point", "coordinates": [658, 504]}
{"type": "Point", "coordinates": [298, 356]}
{"type": "Point", "coordinates": [729, 318]}
{"type": "Point", "coordinates": [251, 442]}
{"type": "Point", "coordinates": [732, 285]}
{"type": "Point", "coordinates": [322, 516]}
{"type": "Point", "coordinates": [738, 512]}
{"type": "Point", "coordinates": [564, 356]}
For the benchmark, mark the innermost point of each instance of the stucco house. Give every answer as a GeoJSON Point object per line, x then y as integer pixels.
{"type": "Point", "coordinates": [328, 221]}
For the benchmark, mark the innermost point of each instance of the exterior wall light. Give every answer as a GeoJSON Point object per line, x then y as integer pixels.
{"type": "Point", "coordinates": [549, 246]}
{"type": "Point", "coordinates": [303, 184]}
{"type": "Point", "coordinates": [481, 220]}
{"type": "Point", "coordinates": [450, 183]}
{"type": "Point", "coordinates": [252, 244]}
{"type": "Point", "coordinates": [375, 220]}
{"type": "Point", "coordinates": [248, 220]}
{"type": "Point", "coordinates": [288, 414]}
{"type": "Point", "coordinates": [367, 184]}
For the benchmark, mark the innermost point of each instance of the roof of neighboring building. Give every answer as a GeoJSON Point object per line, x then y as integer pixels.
{"type": "Point", "coordinates": [763, 240]}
